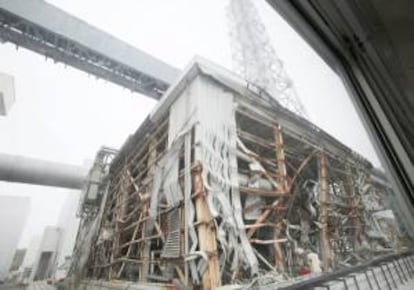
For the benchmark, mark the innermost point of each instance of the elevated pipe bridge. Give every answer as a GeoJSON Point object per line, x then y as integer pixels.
{"type": "Point", "coordinates": [47, 30]}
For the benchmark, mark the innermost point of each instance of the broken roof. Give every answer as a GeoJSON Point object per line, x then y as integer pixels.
{"type": "Point", "coordinates": [200, 66]}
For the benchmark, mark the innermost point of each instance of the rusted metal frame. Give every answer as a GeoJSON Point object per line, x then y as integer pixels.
{"type": "Point", "coordinates": [294, 194]}
{"type": "Point", "coordinates": [180, 274]}
{"type": "Point", "coordinates": [125, 260]}
{"type": "Point", "coordinates": [279, 255]}
{"type": "Point", "coordinates": [260, 141]}
{"type": "Point", "coordinates": [133, 194]}
{"type": "Point", "coordinates": [124, 194]}
{"type": "Point", "coordinates": [122, 285]}
{"type": "Point", "coordinates": [283, 186]}
{"type": "Point", "coordinates": [248, 113]}
{"type": "Point", "coordinates": [115, 241]}
{"type": "Point", "coordinates": [270, 170]}
{"type": "Point", "coordinates": [146, 251]}
{"type": "Point", "coordinates": [105, 248]}
{"type": "Point", "coordinates": [268, 119]}
{"type": "Point", "coordinates": [135, 154]}
{"type": "Point", "coordinates": [125, 201]}
{"type": "Point", "coordinates": [323, 211]}
{"type": "Point", "coordinates": [264, 260]}
{"type": "Point", "coordinates": [115, 189]}
{"type": "Point", "coordinates": [148, 154]}
{"type": "Point", "coordinates": [301, 167]}
{"type": "Point", "coordinates": [280, 158]}
{"type": "Point", "coordinates": [263, 217]}
{"type": "Point", "coordinates": [131, 214]}
{"type": "Point", "coordinates": [270, 163]}
{"type": "Point", "coordinates": [131, 179]}
{"type": "Point", "coordinates": [144, 239]}
{"type": "Point", "coordinates": [291, 166]}
{"type": "Point", "coordinates": [131, 162]}
{"type": "Point", "coordinates": [149, 165]}
{"type": "Point", "coordinates": [265, 173]}
{"type": "Point", "coordinates": [255, 139]}
{"type": "Point", "coordinates": [140, 221]}
{"type": "Point", "coordinates": [129, 248]}
{"type": "Point", "coordinates": [278, 138]}
{"type": "Point", "coordinates": [206, 234]}
{"type": "Point", "coordinates": [120, 213]}
{"type": "Point", "coordinates": [268, 242]}
{"type": "Point", "coordinates": [261, 192]}
{"type": "Point", "coordinates": [161, 212]}
{"type": "Point", "coordinates": [279, 260]}
{"type": "Point", "coordinates": [353, 204]}
{"type": "Point", "coordinates": [267, 144]}
{"type": "Point", "coordinates": [141, 153]}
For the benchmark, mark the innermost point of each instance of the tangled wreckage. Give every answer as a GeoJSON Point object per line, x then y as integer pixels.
{"type": "Point", "coordinates": [223, 186]}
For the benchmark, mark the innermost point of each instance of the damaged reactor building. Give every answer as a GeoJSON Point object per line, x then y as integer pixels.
{"type": "Point", "coordinates": [221, 185]}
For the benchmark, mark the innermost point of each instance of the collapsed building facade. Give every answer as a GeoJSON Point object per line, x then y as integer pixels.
{"type": "Point", "coordinates": [221, 185]}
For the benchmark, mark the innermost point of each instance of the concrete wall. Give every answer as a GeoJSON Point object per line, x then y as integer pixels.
{"type": "Point", "coordinates": [13, 215]}
{"type": "Point", "coordinates": [30, 257]}
{"type": "Point", "coordinates": [69, 223]}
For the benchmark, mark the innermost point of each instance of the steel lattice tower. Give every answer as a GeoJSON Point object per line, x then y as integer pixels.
{"type": "Point", "coordinates": [255, 58]}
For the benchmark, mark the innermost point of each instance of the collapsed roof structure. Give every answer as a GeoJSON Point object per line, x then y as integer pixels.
{"type": "Point", "coordinates": [221, 185]}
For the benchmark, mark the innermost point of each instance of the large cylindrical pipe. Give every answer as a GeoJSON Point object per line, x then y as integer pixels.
{"type": "Point", "coordinates": [22, 169]}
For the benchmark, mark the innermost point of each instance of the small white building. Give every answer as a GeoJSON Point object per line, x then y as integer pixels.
{"type": "Point", "coordinates": [45, 261]}
{"type": "Point", "coordinates": [7, 96]}
{"type": "Point", "coordinates": [68, 222]}
{"type": "Point", "coordinates": [13, 216]}
{"type": "Point", "coordinates": [50, 252]}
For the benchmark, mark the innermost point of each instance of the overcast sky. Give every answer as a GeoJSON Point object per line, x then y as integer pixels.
{"type": "Point", "coordinates": [62, 114]}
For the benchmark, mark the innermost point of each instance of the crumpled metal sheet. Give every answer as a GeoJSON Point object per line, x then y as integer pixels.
{"type": "Point", "coordinates": [221, 181]}
{"type": "Point", "coordinates": [165, 178]}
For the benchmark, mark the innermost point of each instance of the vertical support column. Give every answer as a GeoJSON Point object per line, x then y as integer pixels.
{"type": "Point", "coordinates": [115, 245]}
{"type": "Point", "coordinates": [206, 234]}
{"type": "Point", "coordinates": [280, 159]}
{"type": "Point", "coordinates": [116, 242]}
{"type": "Point", "coordinates": [145, 255]}
{"type": "Point", "coordinates": [354, 205]}
{"type": "Point", "coordinates": [323, 212]}
{"type": "Point", "coordinates": [279, 256]}
{"type": "Point", "coordinates": [187, 199]}
{"type": "Point", "coordinates": [283, 187]}
{"type": "Point", "coordinates": [121, 210]}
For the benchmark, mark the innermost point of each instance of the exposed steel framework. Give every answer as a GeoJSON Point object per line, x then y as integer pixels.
{"type": "Point", "coordinates": [177, 195]}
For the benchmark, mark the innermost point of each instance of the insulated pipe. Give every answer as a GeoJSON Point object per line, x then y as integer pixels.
{"type": "Point", "coordinates": [22, 169]}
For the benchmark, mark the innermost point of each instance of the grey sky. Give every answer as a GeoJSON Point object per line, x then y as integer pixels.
{"type": "Point", "coordinates": [64, 115]}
